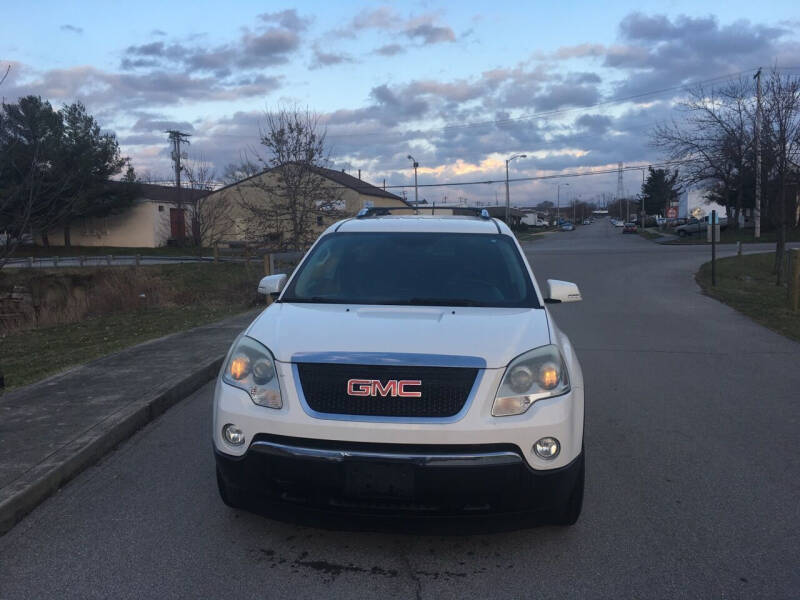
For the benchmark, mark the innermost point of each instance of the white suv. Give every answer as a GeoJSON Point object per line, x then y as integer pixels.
{"type": "Point", "coordinates": [409, 364]}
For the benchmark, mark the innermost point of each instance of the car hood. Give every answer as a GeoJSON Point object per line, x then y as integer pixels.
{"type": "Point", "coordinates": [496, 335]}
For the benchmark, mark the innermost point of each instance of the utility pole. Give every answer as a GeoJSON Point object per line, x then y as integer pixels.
{"type": "Point", "coordinates": [620, 190]}
{"type": "Point", "coordinates": [757, 211]}
{"type": "Point", "coordinates": [558, 201]}
{"type": "Point", "coordinates": [508, 195]}
{"type": "Point", "coordinates": [643, 211]}
{"type": "Point", "coordinates": [177, 138]}
{"type": "Point", "coordinates": [416, 188]}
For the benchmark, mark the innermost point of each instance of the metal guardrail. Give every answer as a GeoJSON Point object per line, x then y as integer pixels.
{"type": "Point", "coordinates": [273, 261]}
{"type": "Point", "coordinates": [105, 260]}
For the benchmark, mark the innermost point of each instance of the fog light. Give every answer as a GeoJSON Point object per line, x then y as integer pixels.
{"type": "Point", "coordinates": [233, 435]}
{"type": "Point", "coordinates": [547, 448]}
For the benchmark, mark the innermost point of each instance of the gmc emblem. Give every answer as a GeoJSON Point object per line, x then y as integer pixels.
{"type": "Point", "coordinates": [392, 388]}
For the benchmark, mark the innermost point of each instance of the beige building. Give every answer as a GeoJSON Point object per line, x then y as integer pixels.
{"type": "Point", "coordinates": [253, 209]}
{"type": "Point", "coordinates": [152, 219]}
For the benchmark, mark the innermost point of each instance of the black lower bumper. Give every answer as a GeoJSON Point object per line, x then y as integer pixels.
{"type": "Point", "coordinates": [393, 480]}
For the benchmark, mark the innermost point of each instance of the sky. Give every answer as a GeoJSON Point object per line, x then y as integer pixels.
{"type": "Point", "coordinates": [462, 86]}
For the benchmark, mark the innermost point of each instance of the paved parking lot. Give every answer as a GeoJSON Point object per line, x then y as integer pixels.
{"type": "Point", "coordinates": [692, 481]}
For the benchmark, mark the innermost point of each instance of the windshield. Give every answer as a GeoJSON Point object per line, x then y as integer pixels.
{"type": "Point", "coordinates": [433, 269]}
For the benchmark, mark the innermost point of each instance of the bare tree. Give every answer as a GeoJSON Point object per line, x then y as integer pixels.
{"type": "Point", "coordinates": [782, 112]}
{"type": "Point", "coordinates": [211, 215]}
{"type": "Point", "coordinates": [714, 138]}
{"type": "Point", "coordinates": [293, 197]}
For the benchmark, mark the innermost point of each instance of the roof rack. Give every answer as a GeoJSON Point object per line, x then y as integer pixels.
{"type": "Point", "coordinates": [383, 211]}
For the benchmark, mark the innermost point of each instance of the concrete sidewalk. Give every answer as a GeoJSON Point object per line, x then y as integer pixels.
{"type": "Point", "coordinates": [52, 430]}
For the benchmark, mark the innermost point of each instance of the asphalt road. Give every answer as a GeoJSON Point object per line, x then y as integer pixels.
{"type": "Point", "coordinates": [692, 481]}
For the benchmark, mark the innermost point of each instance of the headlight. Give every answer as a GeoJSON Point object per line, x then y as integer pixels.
{"type": "Point", "coordinates": [251, 368]}
{"type": "Point", "coordinates": [539, 373]}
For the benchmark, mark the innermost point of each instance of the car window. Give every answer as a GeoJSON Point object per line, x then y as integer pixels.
{"type": "Point", "coordinates": [414, 269]}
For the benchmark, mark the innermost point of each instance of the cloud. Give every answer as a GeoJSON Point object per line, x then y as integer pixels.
{"type": "Point", "coordinates": [668, 51]}
{"type": "Point", "coordinates": [431, 34]}
{"type": "Point", "coordinates": [579, 51]}
{"type": "Point", "coordinates": [150, 123]}
{"type": "Point", "coordinates": [71, 29]}
{"type": "Point", "coordinates": [423, 28]}
{"type": "Point", "coordinates": [122, 91]}
{"type": "Point", "coordinates": [566, 94]}
{"type": "Point", "coordinates": [159, 32]}
{"type": "Point", "coordinates": [390, 50]}
{"type": "Point", "coordinates": [322, 58]}
{"type": "Point", "coordinates": [288, 19]}
{"type": "Point", "coordinates": [264, 46]}
{"type": "Point", "coordinates": [268, 48]}
{"type": "Point", "coordinates": [383, 17]}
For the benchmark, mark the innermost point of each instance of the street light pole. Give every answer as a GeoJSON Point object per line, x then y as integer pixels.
{"type": "Point", "coordinates": [558, 201]}
{"type": "Point", "coordinates": [416, 187]}
{"type": "Point", "coordinates": [508, 195]}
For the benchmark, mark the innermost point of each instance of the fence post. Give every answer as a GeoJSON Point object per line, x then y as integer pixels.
{"type": "Point", "coordinates": [795, 278]}
{"type": "Point", "coordinates": [80, 260]}
{"type": "Point", "coordinates": [268, 264]}
{"type": "Point", "coordinates": [738, 248]}
{"type": "Point", "coordinates": [216, 252]}
{"type": "Point", "coordinates": [55, 261]}
{"type": "Point", "coordinates": [138, 260]}
{"type": "Point", "coordinates": [30, 262]}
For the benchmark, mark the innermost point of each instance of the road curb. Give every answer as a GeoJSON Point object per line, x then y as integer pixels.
{"type": "Point", "coordinates": [27, 492]}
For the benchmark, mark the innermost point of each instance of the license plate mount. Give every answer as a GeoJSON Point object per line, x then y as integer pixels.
{"type": "Point", "coordinates": [368, 480]}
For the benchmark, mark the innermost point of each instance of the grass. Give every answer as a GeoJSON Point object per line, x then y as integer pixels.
{"type": "Point", "coordinates": [181, 296]}
{"type": "Point", "coordinates": [747, 284]}
{"type": "Point", "coordinates": [731, 236]}
{"type": "Point", "coordinates": [648, 235]}
{"type": "Point", "coordinates": [29, 356]}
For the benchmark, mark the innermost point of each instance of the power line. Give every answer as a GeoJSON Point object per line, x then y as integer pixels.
{"type": "Point", "coordinates": [545, 177]}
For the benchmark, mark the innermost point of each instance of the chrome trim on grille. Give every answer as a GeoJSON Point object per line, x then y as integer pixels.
{"type": "Point", "coordinates": [421, 459]}
{"type": "Point", "coordinates": [379, 418]}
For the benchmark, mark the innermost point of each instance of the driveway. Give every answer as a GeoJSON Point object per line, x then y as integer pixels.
{"type": "Point", "coordinates": [692, 481]}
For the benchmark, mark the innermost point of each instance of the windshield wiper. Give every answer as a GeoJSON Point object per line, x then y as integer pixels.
{"type": "Point", "coordinates": [441, 302]}
{"type": "Point", "coordinates": [314, 300]}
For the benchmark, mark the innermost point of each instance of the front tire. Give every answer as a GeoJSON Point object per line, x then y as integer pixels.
{"type": "Point", "coordinates": [572, 510]}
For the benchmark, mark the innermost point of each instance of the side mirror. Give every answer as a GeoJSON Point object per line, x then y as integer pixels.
{"type": "Point", "coordinates": [272, 284]}
{"type": "Point", "coordinates": [562, 291]}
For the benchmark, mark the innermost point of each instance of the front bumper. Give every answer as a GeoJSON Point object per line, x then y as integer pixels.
{"type": "Point", "coordinates": [391, 479]}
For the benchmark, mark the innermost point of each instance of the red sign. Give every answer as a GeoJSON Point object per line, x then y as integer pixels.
{"type": "Point", "coordinates": [392, 388]}
{"type": "Point", "coordinates": [672, 212]}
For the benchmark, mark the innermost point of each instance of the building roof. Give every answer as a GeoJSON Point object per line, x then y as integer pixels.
{"type": "Point", "coordinates": [340, 177]}
{"type": "Point", "coordinates": [356, 184]}
{"type": "Point", "coordinates": [165, 193]}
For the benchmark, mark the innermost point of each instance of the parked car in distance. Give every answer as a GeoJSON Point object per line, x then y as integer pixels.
{"type": "Point", "coordinates": [698, 226]}
{"type": "Point", "coordinates": [567, 226]}
{"type": "Point", "coordinates": [629, 227]}
{"type": "Point", "coordinates": [617, 223]}
{"type": "Point", "coordinates": [587, 222]}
